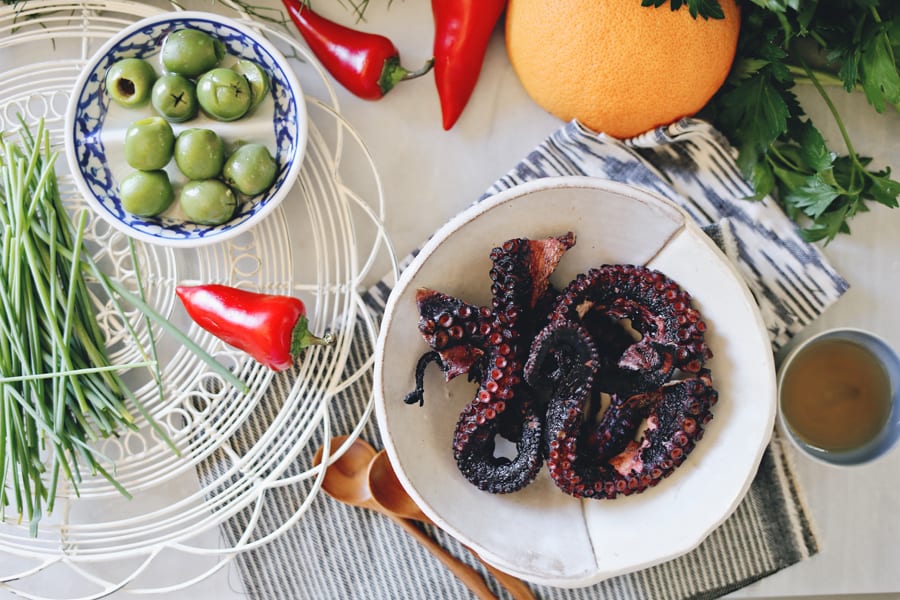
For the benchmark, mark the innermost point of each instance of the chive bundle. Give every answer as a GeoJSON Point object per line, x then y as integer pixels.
{"type": "Point", "coordinates": [58, 390]}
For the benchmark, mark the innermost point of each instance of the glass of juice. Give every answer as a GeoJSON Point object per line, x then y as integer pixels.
{"type": "Point", "coordinates": [839, 396]}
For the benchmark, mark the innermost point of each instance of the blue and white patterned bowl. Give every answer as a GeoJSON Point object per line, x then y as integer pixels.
{"type": "Point", "coordinates": [95, 129]}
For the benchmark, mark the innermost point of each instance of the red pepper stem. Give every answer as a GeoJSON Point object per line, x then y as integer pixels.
{"type": "Point", "coordinates": [393, 73]}
{"type": "Point", "coordinates": [302, 338]}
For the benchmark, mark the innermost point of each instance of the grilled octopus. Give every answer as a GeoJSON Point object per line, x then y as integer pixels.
{"type": "Point", "coordinates": [545, 359]}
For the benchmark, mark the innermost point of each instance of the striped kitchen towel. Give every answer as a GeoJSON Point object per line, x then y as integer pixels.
{"type": "Point", "coordinates": [337, 552]}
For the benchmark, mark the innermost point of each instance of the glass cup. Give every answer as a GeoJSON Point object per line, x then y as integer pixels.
{"type": "Point", "coordinates": [834, 396]}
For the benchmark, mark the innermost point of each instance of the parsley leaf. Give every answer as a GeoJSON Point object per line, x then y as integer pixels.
{"type": "Point", "coordinates": [812, 147]}
{"type": "Point", "coordinates": [878, 72]}
{"type": "Point", "coordinates": [707, 9]}
{"type": "Point", "coordinates": [828, 226]}
{"type": "Point", "coordinates": [780, 150]}
{"type": "Point", "coordinates": [884, 190]}
{"type": "Point", "coordinates": [814, 197]}
{"type": "Point", "coordinates": [759, 114]}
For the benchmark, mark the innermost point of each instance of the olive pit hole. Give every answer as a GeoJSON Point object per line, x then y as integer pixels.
{"type": "Point", "coordinates": [125, 87]}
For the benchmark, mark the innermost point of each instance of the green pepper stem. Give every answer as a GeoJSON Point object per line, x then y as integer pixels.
{"type": "Point", "coordinates": [420, 71]}
{"type": "Point", "coordinates": [302, 338]}
{"type": "Point", "coordinates": [393, 73]}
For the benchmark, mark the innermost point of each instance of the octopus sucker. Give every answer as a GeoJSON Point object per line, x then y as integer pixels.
{"type": "Point", "coordinates": [546, 359]}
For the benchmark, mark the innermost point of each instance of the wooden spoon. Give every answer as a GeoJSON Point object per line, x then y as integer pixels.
{"type": "Point", "coordinates": [387, 490]}
{"type": "Point", "coordinates": [346, 480]}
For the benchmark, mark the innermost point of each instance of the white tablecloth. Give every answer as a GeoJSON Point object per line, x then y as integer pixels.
{"type": "Point", "coordinates": [855, 510]}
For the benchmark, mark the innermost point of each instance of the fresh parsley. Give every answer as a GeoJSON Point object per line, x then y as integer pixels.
{"type": "Point", "coordinates": [781, 151]}
{"type": "Point", "coordinates": [708, 9]}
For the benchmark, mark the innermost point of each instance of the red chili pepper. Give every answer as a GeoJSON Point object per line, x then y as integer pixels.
{"type": "Point", "coordinates": [367, 64]}
{"type": "Point", "coordinates": [462, 30]}
{"type": "Point", "coordinates": [272, 329]}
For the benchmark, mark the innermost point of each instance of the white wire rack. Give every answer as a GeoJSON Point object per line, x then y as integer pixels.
{"type": "Point", "coordinates": [321, 245]}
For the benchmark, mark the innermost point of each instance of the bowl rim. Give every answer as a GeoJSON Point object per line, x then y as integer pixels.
{"type": "Point", "coordinates": [598, 184]}
{"type": "Point", "coordinates": [190, 242]}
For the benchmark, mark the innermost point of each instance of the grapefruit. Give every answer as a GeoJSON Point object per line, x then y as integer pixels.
{"type": "Point", "coordinates": [616, 66]}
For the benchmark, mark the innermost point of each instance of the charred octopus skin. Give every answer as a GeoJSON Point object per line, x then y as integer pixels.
{"type": "Point", "coordinates": [487, 343]}
{"type": "Point", "coordinates": [605, 459]}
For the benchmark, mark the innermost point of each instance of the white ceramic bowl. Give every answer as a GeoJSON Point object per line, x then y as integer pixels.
{"type": "Point", "coordinates": [95, 129]}
{"type": "Point", "coordinates": [539, 533]}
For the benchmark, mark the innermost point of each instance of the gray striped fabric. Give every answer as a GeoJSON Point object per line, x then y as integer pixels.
{"type": "Point", "coordinates": [337, 552]}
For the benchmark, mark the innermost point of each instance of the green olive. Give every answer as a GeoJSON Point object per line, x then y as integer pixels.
{"type": "Point", "coordinates": [149, 143]}
{"type": "Point", "coordinates": [190, 52]}
{"type": "Point", "coordinates": [129, 81]}
{"type": "Point", "coordinates": [256, 77]}
{"type": "Point", "coordinates": [250, 169]}
{"type": "Point", "coordinates": [175, 98]}
{"type": "Point", "coordinates": [199, 153]}
{"type": "Point", "coordinates": [224, 94]}
{"type": "Point", "coordinates": [146, 193]}
{"type": "Point", "coordinates": [208, 202]}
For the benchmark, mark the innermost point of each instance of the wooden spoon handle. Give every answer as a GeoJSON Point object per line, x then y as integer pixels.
{"type": "Point", "coordinates": [466, 574]}
{"type": "Point", "coordinates": [517, 588]}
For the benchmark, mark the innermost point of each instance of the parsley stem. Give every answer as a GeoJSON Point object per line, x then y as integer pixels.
{"type": "Point", "coordinates": [834, 113]}
{"type": "Point", "coordinates": [818, 38]}
{"type": "Point", "coordinates": [823, 76]}
{"type": "Point", "coordinates": [887, 38]}
{"type": "Point", "coordinates": [875, 16]}
{"type": "Point", "coordinates": [773, 149]}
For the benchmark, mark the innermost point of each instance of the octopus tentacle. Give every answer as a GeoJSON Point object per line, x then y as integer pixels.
{"type": "Point", "coordinates": [672, 331]}
{"type": "Point", "coordinates": [609, 461]}
{"type": "Point", "coordinates": [560, 350]}
{"type": "Point", "coordinates": [520, 275]}
{"type": "Point", "coordinates": [675, 417]}
{"type": "Point", "coordinates": [563, 362]}
{"type": "Point", "coordinates": [456, 330]}
{"type": "Point", "coordinates": [475, 445]}
{"type": "Point", "coordinates": [417, 396]}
